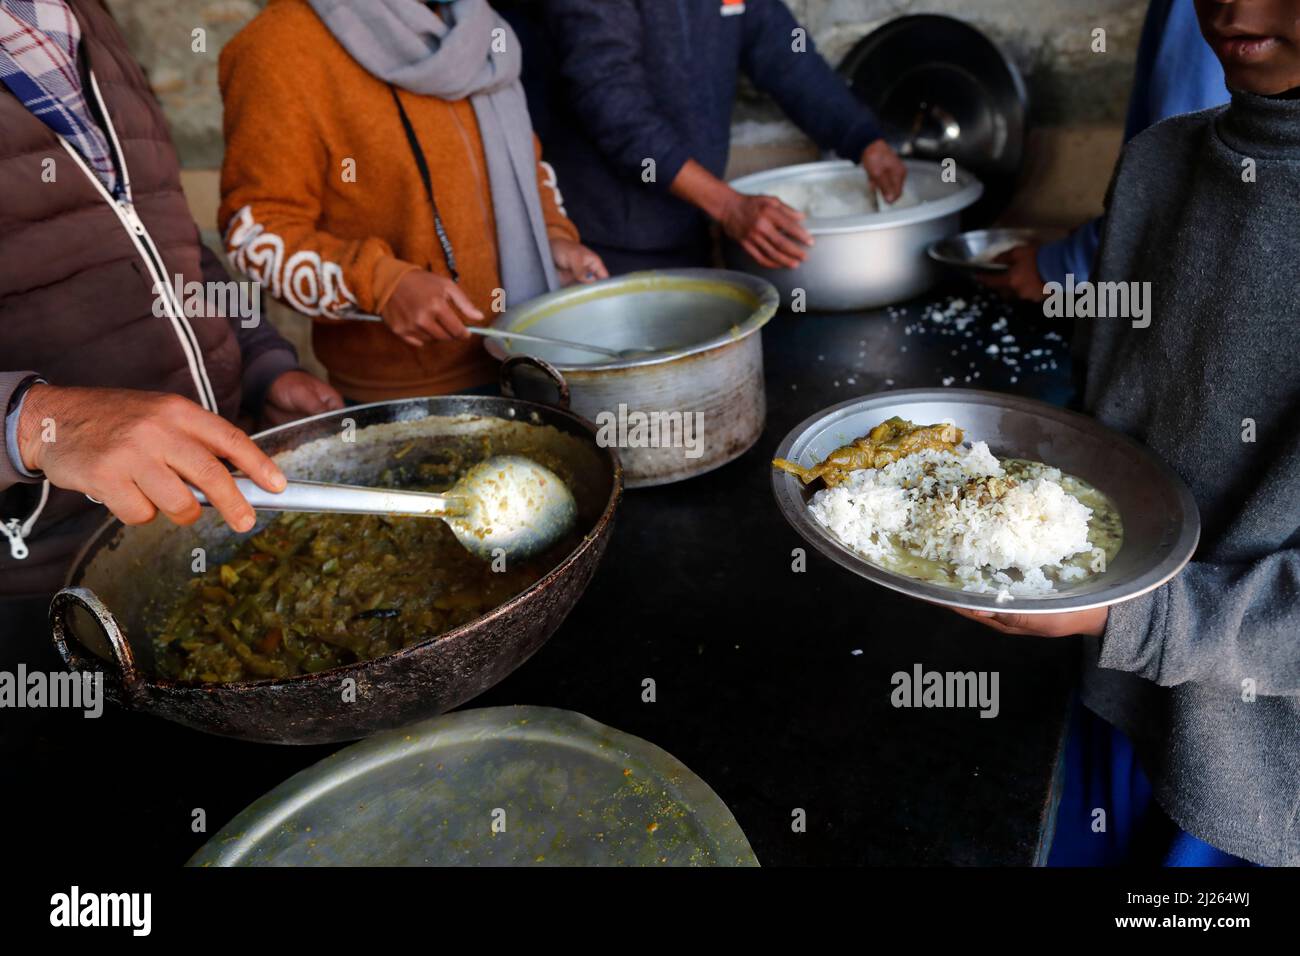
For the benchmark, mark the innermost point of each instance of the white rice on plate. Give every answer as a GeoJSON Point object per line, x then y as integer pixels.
{"type": "Point", "coordinates": [960, 511]}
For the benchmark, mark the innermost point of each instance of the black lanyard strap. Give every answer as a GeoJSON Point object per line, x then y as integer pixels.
{"type": "Point", "coordinates": [413, 141]}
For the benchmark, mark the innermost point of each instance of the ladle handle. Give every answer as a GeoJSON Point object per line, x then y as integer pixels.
{"type": "Point", "coordinates": [326, 497]}
{"type": "Point", "coordinates": [491, 333]}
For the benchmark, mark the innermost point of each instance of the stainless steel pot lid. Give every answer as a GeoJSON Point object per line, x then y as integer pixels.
{"type": "Point", "coordinates": [500, 786]}
{"type": "Point", "coordinates": [679, 311]}
{"type": "Point", "coordinates": [1161, 521]}
{"type": "Point", "coordinates": [942, 89]}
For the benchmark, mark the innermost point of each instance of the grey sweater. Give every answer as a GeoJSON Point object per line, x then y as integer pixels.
{"type": "Point", "coordinates": [1175, 668]}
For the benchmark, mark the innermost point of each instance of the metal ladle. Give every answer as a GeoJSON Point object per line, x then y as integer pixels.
{"type": "Point", "coordinates": [505, 504]}
{"type": "Point", "coordinates": [492, 333]}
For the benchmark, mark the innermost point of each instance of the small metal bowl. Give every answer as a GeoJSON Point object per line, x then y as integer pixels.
{"type": "Point", "coordinates": [1161, 522]}
{"type": "Point", "coordinates": [975, 251]}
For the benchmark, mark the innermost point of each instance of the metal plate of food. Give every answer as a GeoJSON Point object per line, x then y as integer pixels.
{"type": "Point", "coordinates": [499, 786]}
{"type": "Point", "coordinates": [938, 516]}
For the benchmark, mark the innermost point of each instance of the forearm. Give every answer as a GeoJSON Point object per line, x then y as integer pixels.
{"type": "Point", "coordinates": [702, 189]}
{"type": "Point", "coordinates": [261, 345]}
{"type": "Point", "coordinates": [1074, 255]}
{"type": "Point", "coordinates": [315, 273]}
{"type": "Point", "coordinates": [1221, 622]}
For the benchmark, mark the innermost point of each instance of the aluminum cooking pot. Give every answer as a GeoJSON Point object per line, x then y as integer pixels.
{"type": "Point", "coordinates": [868, 260]}
{"type": "Point", "coordinates": [105, 618]}
{"type": "Point", "coordinates": [687, 409]}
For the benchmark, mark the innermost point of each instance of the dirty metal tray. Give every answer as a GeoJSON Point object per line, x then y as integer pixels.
{"type": "Point", "coordinates": [500, 786]}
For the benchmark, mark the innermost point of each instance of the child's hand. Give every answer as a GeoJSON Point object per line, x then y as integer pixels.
{"type": "Point", "coordinates": [1022, 279]}
{"type": "Point", "coordinates": [427, 308]}
{"type": "Point", "coordinates": [576, 263]}
{"type": "Point", "coordinates": [885, 170]}
{"type": "Point", "coordinates": [1091, 623]}
{"type": "Point", "coordinates": [297, 394]}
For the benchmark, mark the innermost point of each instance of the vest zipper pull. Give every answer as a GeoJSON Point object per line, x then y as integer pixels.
{"type": "Point", "coordinates": [128, 210]}
{"type": "Point", "coordinates": [13, 530]}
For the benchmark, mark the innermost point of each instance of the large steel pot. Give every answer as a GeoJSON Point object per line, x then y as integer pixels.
{"type": "Point", "coordinates": [103, 620]}
{"type": "Point", "coordinates": [709, 373]}
{"type": "Point", "coordinates": [862, 261]}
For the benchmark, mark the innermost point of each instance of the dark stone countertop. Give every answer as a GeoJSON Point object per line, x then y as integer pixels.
{"type": "Point", "coordinates": [773, 686]}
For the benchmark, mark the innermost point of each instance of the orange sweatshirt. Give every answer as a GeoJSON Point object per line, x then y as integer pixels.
{"type": "Point", "coordinates": [322, 201]}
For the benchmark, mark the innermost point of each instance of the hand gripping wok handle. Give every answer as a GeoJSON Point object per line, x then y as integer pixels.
{"type": "Point", "coordinates": [325, 497]}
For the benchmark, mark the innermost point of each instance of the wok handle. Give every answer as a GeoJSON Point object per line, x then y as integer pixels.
{"type": "Point", "coordinates": [510, 365]}
{"type": "Point", "coordinates": [331, 498]}
{"type": "Point", "coordinates": [66, 603]}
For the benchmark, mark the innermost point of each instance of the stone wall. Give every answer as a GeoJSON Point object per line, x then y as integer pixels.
{"type": "Point", "coordinates": [1077, 96]}
{"type": "Point", "coordinates": [161, 34]}
{"type": "Point", "coordinates": [1048, 39]}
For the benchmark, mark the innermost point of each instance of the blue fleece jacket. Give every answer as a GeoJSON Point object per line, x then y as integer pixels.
{"type": "Point", "coordinates": [656, 80]}
{"type": "Point", "coordinates": [1177, 72]}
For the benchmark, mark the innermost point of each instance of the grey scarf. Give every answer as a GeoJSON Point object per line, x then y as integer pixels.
{"type": "Point", "coordinates": [473, 54]}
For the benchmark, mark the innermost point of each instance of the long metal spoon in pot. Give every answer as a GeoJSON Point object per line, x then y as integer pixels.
{"type": "Point", "coordinates": [491, 333]}
{"type": "Point", "coordinates": [505, 504]}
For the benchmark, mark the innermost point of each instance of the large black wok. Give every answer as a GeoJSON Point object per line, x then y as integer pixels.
{"type": "Point", "coordinates": [103, 620]}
